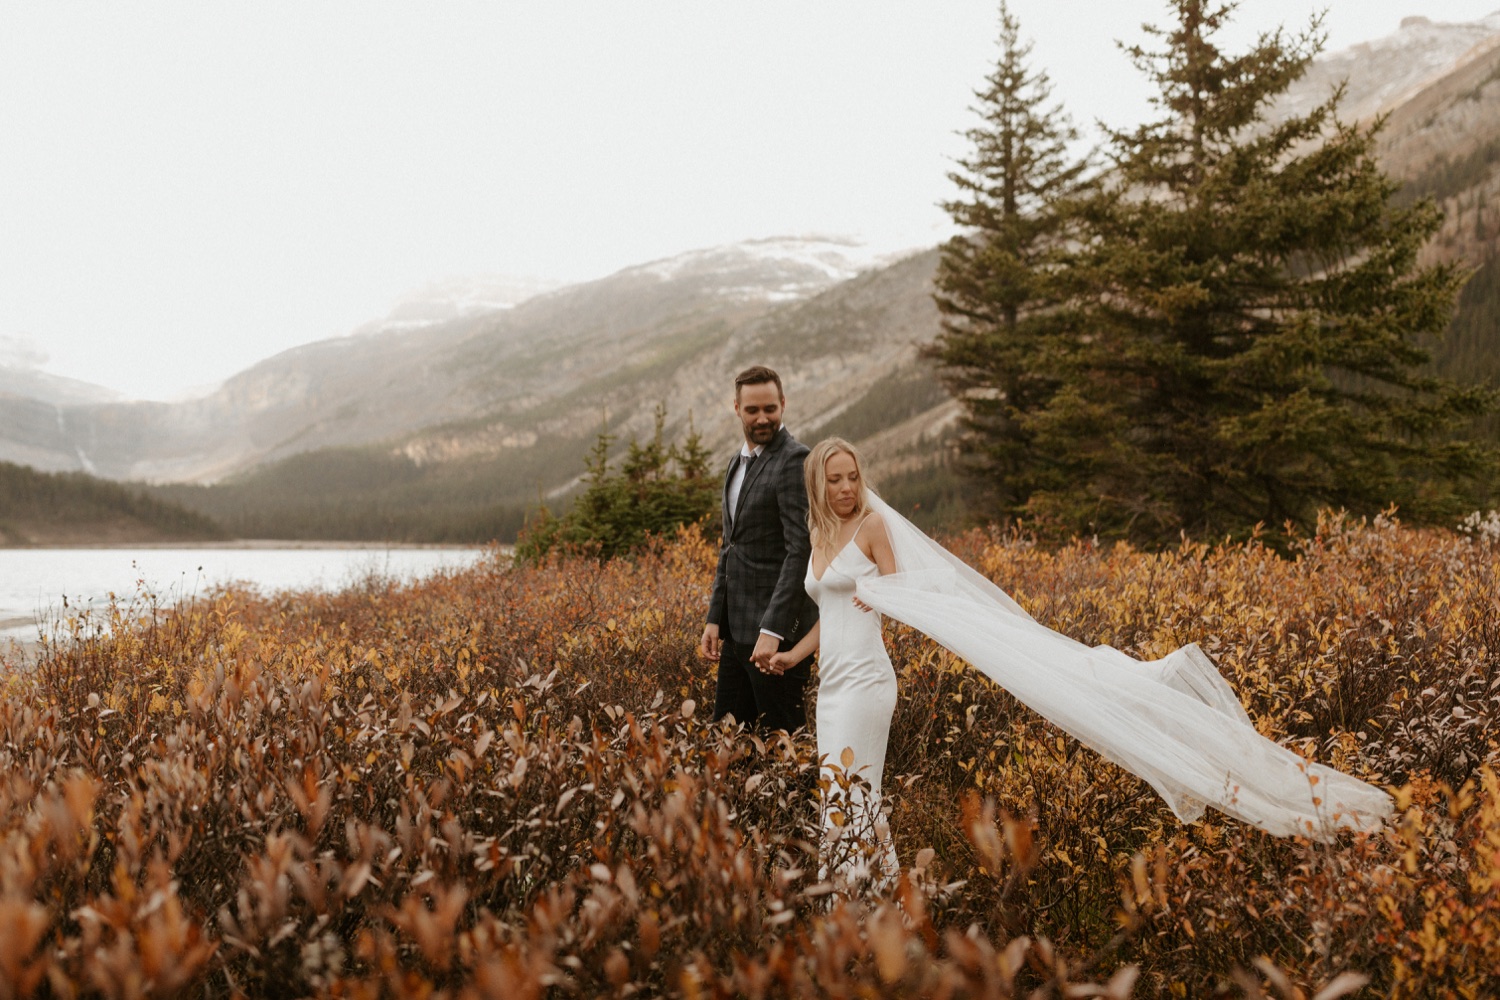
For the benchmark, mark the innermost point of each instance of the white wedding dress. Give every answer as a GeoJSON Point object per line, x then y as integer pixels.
{"type": "Point", "coordinates": [1174, 722]}
{"type": "Point", "coordinates": [856, 697]}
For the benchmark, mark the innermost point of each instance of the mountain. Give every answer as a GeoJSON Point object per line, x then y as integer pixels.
{"type": "Point", "coordinates": [477, 398]}
{"type": "Point", "coordinates": [21, 377]}
{"type": "Point", "coordinates": [18, 382]}
{"type": "Point", "coordinates": [1387, 72]}
{"type": "Point", "coordinates": [601, 358]}
{"type": "Point", "coordinates": [443, 360]}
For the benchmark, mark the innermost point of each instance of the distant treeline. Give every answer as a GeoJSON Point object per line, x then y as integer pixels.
{"type": "Point", "coordinates": [938, 497]}
{"type": "Point", "coordinates": [1470, 351]}
{"type": "Point", "coordinates": [340, 494]}
{"type": "Point", "coordinates": [1448, 177]}
{"type": "Point", "coordinates": [899, 396]}
{"type": "Point", "coordinates": [370, 494]}
{"type": "Point", "coordinates": [73, 506]}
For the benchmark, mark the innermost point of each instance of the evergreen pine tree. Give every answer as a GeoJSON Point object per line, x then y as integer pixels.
{"type": "Point", "coordinates": [997, 279]}
{"type": "Point", "coordinates": [1244, 338]}
{"type": "Point", "coordinates": [657, 490]}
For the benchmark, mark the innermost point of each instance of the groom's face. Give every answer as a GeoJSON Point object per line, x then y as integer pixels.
{"type": "Point", "coordinates": [759, 409]}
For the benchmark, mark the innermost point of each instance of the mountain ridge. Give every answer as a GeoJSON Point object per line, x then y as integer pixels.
{"type": "Point", "coordinates": [515, 394]}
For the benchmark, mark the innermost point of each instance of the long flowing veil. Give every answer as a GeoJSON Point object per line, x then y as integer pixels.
{"type": "Point", "coordinates": [1174, 722]}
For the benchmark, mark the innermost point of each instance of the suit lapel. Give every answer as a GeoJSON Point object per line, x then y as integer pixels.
{"type": "Point", "coordinates": [753, 473]}
{"type": "Point", "coordinates": [729, 479]}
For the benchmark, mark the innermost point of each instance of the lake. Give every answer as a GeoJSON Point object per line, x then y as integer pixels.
{"type": "Point", "coordinates": [33, 582]}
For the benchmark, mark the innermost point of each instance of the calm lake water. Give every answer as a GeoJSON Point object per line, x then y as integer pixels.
{"type": "Point", "coordinates": [33, 582]}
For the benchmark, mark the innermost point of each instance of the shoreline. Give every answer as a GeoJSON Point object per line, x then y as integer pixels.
{"type": "Point", "coordinates": [17, 653]}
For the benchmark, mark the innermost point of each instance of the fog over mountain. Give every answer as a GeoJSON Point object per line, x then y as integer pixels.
{"type": "Point", "coordinates": [459, 353]}
{"type": "Point", "coordinates": [514, 378]}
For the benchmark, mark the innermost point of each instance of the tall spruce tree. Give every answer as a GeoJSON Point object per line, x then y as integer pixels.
{"type": "Point", "coordinates": [996, 279]}
{"type": "Point", "coordinates": [1244, 335]}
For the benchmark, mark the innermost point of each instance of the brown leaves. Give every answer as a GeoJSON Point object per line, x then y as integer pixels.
{"type": "Point", "coordinates": [430, 919]}
{"type": "Point", "coordinates": [23, 924]}
{"type": "Point", "coordinates": [476, 787]}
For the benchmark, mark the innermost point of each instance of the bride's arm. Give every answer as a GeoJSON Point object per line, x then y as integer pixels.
{"type": "Point", "coordinates": [875, 542]}
{"type": "Point", "coordinates": [781, 662]}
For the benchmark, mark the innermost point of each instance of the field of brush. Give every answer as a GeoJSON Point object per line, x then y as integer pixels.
{"type": "Point", "coordinates": [503, 782]}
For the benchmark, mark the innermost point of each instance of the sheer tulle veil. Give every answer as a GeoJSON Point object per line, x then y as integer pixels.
{"type": "Point", "coordinates": [1174, 722]}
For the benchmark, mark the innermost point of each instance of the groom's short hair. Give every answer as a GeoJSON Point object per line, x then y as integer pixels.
{"type": "Point", "coordinates": [757, 375]}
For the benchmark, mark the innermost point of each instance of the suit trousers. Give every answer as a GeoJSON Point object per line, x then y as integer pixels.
{"type": "Point", "coordinates": [763, 701]}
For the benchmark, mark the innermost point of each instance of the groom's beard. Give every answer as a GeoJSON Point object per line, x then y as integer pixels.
{"type": "Point", "coordinates": [763, 435]}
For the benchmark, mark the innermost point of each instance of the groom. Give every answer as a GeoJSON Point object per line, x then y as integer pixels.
{"type": "Point", "coordinates": [759, 605]}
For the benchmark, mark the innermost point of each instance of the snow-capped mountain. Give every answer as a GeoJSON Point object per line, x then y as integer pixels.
{"type": "Point", "coordinates": [453, 371]}
{"type": "Point", "coordinates": [1380, 74]}
{"type": "Point", "coordinates": [780, 269]}
{"type": "Point", "coordinates": [457, 298]}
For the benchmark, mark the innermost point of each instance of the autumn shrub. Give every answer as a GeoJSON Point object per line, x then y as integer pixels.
{"type": "Point", "coordinates": [498, 782]}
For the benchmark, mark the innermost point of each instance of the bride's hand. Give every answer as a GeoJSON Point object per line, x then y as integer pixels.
{"type": "Point", "coordinates": [780, 663]}
{"type": "Point", "coordinates": [861, 605]}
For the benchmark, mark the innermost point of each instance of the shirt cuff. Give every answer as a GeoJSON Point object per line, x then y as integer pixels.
{"type": "Point", "coordinates": [773, 635]}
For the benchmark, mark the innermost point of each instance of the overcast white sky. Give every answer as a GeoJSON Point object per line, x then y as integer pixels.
{"type": "Point", "coordinates": [187, 188]}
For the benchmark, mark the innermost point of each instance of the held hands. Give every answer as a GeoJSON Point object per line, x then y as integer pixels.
{"type": "Point", "coordinates": [766, 657]}
{"type": "Point", "coordinates": [780, 663]}
{"type": "Point", "coordinates": [766, 649]}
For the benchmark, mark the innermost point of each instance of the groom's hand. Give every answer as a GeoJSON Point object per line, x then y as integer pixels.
{"type": "Point", "coordinates": [766, 647]}
{"type": "Point", "coordinates": [708, 646]}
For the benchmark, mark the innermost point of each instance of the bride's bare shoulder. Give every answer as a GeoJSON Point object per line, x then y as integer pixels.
{"type": "Point", "coordinates": [873, 526]}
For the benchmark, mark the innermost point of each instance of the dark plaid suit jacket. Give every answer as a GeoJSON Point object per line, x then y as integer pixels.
{"type": "Point", "coordinates": [764, 553]}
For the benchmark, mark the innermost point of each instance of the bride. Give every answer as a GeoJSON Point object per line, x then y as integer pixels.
{"type": "Point", "coordinates": [856, 683]}
{"type": "Point", "coordinates": [1174, 722]}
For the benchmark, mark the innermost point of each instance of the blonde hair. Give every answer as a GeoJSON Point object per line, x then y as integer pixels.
{"type": "Point", "coordinates": [822, 522]}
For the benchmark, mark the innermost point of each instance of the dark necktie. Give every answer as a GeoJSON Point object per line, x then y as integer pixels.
{"type": "Point", "coordinates": [744, 473]}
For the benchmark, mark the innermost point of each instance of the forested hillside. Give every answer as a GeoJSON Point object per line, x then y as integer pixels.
{"type": "Point", "coordinates": [40, 508]}
{"type": "Point", "coordinates": [1444, 144]}
{"type": "Point", "coordinates": [347, 494]}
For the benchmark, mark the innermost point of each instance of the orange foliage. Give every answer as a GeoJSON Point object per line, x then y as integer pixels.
{"type": "Point", "coordinates": [500, 783]}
